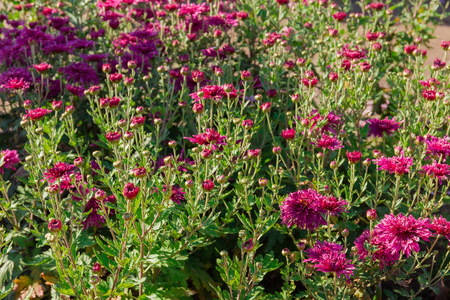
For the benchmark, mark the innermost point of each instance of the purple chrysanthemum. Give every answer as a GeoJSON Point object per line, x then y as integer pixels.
{"type": "Point", "coordinates": [93, 206]}
{"type": "Point", "coordinates": [402, 233]}
{"type": "Point", "coordinates": [176, 194]}
{"type": "Point", "coordinates": [303, 209]}
{"type": "Point", "coordinates": [378, 127]}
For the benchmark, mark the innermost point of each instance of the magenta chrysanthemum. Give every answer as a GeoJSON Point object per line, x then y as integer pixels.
{"type": "Point", "coordinates": [440, 226]}
{"type": "Point", "coordinates": [402, 233]}
{"type": "Point", "coordinates": [37, 113]}
{"type": "Point", "coordinates": [378, 127]}
{"type": "Point", "coordinates": [396, 164]}
{"type": "Point", "coordinates": [437, 146]}
{"type": "Point", "coordinates": [335, 262]}
{"type": "Point", "coordinates": [321, 248]}
{"type": "Point", "coordinates": [380, 254]}
{"type": "Point", "coordinates": [210, 137]}
{"type": "Point", "coordinates": [176, 193]}
{"type": "Point", "coordinates": [328, 142]}
{"type": "Point", "coordinates": [60, 173]}
{"type": "Point", "coordinates": [330, 258]}
{"type": "Point", "coordinates": [303, 209]}
{"type": "Point", "coordinates": [8, 159]}
{"type": "Point", "coordinates": [332, 205]}
{"type": "Point", "coordinates": [95, 218]}
{"type": "Point", "coordinates": [437, 170]}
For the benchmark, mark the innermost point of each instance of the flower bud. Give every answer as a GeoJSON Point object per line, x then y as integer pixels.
{"type": "Point", "coordinates": [157, 121]}
{"type": "Point", "coordinates": [276, 150]}
{"type": "Point", "coordinates": [172, 144]}
{"type": "Point", "coordinates": [263, 182]}
{"type": "Point", "coordinates": [301, 246]}
{"type": "Point", "coordinates": [222, 179]}
{"type": "Point", "coordinates": [223, 253]}
{"type": "Point", "coordinates": [118, 164]}
{"type": "Point", "coordinates": [189, 184]}
{"type": "Point", "coordinates": [367, 162]}
{"type": "Point", "coordinates": [54, 225]}
{"type": "Point", "coordinates": [345, 232]}
{"type": "Point", "coordinates": [333, 165]}
{"type": "Point", "coordinates": [94, 280]}
{"type": "Point", "coordinates": [371, 214]}
{"type": "Point", "coordinates": [285, 252]}
{"type": "Point", "coordinates": [127, 216]}
{"type": "Point", "coordinates": [50, 238]}
{"type": "Point", "coordinates": [97, 154]}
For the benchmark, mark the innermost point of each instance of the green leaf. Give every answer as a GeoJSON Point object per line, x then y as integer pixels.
{"type": "Point", "coordinates": [5, 291]}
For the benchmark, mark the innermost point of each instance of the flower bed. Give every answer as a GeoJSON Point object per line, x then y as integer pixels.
{"type": "Point", "coordinates": [223, 150]}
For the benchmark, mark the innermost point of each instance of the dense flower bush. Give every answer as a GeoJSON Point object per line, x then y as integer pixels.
{"type": "Point", "coordinates": [223, 150]}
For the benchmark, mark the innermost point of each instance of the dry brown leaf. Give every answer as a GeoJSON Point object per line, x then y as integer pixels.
{"type": "Point", "coordinates": [24, 284]}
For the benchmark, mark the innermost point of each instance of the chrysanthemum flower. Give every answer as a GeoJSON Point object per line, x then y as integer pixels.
{"type": "Point", "coordinates": [94, 218]}
{"type": "Point", "coordinates": [8, 159]}
{"type": "Point", "coordinates": [437, 170]}
{"type": "Point", "coordinates": [176, 193]}
{"type": "Point", "coordinates": [209, 138]}
{"type": "Point", "coordinates": [440, 226]}
{"type": "Point", "coordinates": [288, 134]}
{"type": "Point", "coordinates": [354, 157]}
{"type": "Point", "coordinates": [378, 127]}
{"type": "Point", "coordinates": [396, 164]}
{"type": "Point", "coordinates": [37, 113]}
{"type": "Point", "coordinates": [328, 142]}
{"type": "Point", "coordinates": [333, 206]}
{"type": "Point", "coordinates": [402, 233]}
{"type": "Point", "coordinates": [322, 248]}
{"type": "Point", "coordinates": [437, 146]}
{"type": "Point", "coordinates": [130, 191]}
{"type": "Point", "coordinates": [303, 209]}
{"type": "Point", "coordinates": [60, 173]}
{"type": "Point", "coordinates": [335, 262]}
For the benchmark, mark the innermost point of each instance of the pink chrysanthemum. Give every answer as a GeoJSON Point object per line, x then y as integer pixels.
{"type": "Point", "coordinates": [396, 164]}
{"type": "Point", "coordinates": [379, 127]}
{"type": "Point", "coordinates": [60, 173]}
{"type": "Point", "coordinates": [302, 208]}
{"type": "Point", "coordinates": [441, 226]}
{"type": "Point", "coordinates": [328, 142]}
{"type": "Point", "coordinates": [8, 159]}
{"type": "Point", "coordinates": [402, 233]}
{"type": "Point", "coordinates": [440, 171]}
